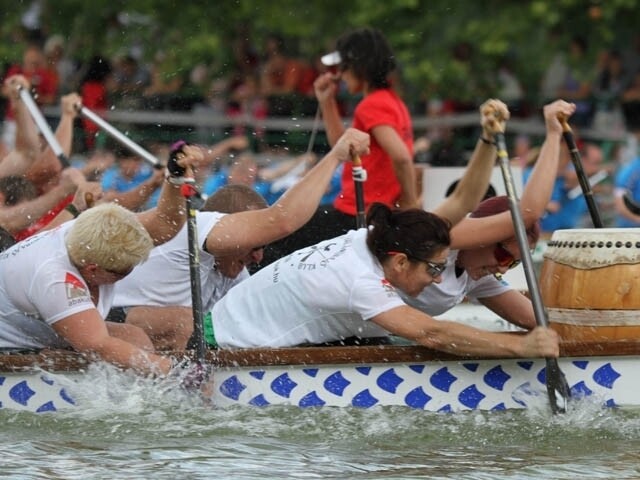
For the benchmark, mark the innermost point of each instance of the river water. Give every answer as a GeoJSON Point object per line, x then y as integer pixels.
{"type": "Point", "coordinates": [129, 428]}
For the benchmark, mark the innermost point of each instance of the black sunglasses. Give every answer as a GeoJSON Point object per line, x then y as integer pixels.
{"type": "Point", "coordinates": [434, 269]}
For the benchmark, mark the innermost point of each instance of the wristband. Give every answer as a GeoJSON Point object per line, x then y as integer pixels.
{"type": "Point", "coordinates": [487, 141]}
{"type": "Point", "coordinates": [71, 208]}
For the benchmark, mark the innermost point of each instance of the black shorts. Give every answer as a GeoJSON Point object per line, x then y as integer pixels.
{"type": "Point", "coordinates": [117, 315]}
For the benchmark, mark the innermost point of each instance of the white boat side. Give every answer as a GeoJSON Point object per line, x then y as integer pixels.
{"type": "Point", "coordinates": [360, 376]}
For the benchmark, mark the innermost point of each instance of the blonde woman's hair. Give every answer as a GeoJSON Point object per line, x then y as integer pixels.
{"type": "Point", "coordinates": [109, 236]}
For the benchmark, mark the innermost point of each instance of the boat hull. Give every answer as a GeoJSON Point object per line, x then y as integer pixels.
{"type": "Point", "coordinates": [362, 377]}
{"type": "Point", "coordinates": [432, 386]}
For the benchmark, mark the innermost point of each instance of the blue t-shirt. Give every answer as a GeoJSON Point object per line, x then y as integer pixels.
{"type": "Point", "coordinates": [113, 180]}
{"type": "Point", "coordinates": [628, 178]}
{"type": "Point", "coordinates": [570, 212]}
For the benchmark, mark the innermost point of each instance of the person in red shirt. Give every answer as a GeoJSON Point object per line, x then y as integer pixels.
{"type": "Point", "coordinates": [44, 86]}
{"type": "Point", "coordinates": [365, 62]}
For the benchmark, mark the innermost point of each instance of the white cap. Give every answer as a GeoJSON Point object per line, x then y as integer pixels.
{"type": "Point", "coordinates": [331, 59]}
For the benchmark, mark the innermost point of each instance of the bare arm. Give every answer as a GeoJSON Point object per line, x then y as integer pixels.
{"type": "Point", "coordinates": [459, 339]}
{"type": "Point", "coordinates": [27, 145]}
{"type": "Point", "coordinates": [513, 306]}
{"type": "Point", "coordinates": [87, 333]}
{"type": "Point", "coordinates": [84, 192]}
{"type": "Point", "coordinates": [213, 153]}
{"type": "Point", "coordinates": [402, 162]}
{"type": "Point", "coordinates": [325, 89]}
{"type": "Point", "coordinates": [474, 183]}
{"type": "Point", "coordinates": [252, 228]}
{"type": "Point", "coordinates": [47, 167]}
{"type": "Point", "coordinates": [472, 232]}
{"type": "Point", "coordinates": [20, 216]}
{"type": "Point", "coordinates": [165, 220]}
{"type": "Point", "coordinates": [135, 198]}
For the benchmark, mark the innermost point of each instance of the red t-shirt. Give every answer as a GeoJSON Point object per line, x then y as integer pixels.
{"type": "Point", "coordinates": [94, 97]}
{"type": "Point", "coordinates": [382, 107]}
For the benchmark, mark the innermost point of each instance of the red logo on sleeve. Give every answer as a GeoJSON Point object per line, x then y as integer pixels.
{"type": "Point", "coordinates": [75, 287]}
{"type": "Point", "coordinates": [387, 286]}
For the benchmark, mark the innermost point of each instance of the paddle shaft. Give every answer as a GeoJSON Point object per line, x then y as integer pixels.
{"type": "Point", "coordinates": [43, 126]}
{"type": "Point", "coordinates": [359, 177]}
{"type": "Point", "coordinates": [582, 177]}
{"type": "Point", "coordinates": [120, 137]}
{"type": "Point", "coordinates": [189, 191]}
{"type": "Point", "coordinates": [631, 204]}
{"type": "Point", "coordinates": [555, 380]}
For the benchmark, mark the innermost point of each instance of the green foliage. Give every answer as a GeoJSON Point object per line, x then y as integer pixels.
{"type": "Point", "coordinates": [423, 33]}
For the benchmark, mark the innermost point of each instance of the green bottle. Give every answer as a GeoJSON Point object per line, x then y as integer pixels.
{"type": "Point", "coordinates": [209, 336]}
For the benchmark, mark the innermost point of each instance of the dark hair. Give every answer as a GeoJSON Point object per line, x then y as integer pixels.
{"type": "Point", "coordinates": [97, 70]}
{"type": "Point", "coordinates": [6, 240]}
{"type": "Point", "coordinates": [417, 233]}
{"type": "Point", "coordinates": [368, 54]}
{"type": "Point", "coordinates": [495, 205]}
{"type": "Point", "coordinates": [17, 189]}
{"type": "Point", "coordinates": [234, 198]}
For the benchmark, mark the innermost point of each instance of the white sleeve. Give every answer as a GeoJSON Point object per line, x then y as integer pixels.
{"type": "Point", "coordinates": [371, 296]}
{"type": "Point", "coordinates": [58, 294]}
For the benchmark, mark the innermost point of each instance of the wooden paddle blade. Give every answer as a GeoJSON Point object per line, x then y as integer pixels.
{"type": "Point", "coordinates": [557, 387]}
{"type": "Point", "coordinates": [631, 204]}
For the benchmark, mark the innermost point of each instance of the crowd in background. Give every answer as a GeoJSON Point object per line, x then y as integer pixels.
{"type": "Point", "coordinates": [268, 81]}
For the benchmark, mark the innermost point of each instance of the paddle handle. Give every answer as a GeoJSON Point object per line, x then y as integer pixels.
{"type": "Point", "coordinates": [521, 233]}
{"type": "Point", "coordinates": [190, 192]}
{"type": "Point", "coordinates": [555, 380]}
{"type": "Point", "coordinates": [359, 177]}
{"type": "Point", "coordinates": [119, 136]}
{"type": "Point", "coordinates": [43, 126]}
{"type": "Point", "coordinates": [567, 133]}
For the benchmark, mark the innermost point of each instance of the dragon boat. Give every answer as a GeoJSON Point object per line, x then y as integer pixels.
{"type": "Point", "coordinates": [590, 282]}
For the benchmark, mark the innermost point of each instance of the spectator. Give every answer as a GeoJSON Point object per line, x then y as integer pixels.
{"type": "Point", "coordinates": [577, 83]}
{"type": "Point", "coordinates": [60, 64]}
{"type": "Point", "coordinates": [627, 181]}
{"type": "Point", "coordinates": [611, 81]}
{"type": "Point", "coordinates": [95, 95]}
{"type": "Point", "coordinates": [365, 61]}
{"type": "Point", "coordinates": [129, 81]}
{"type": "Point", "coordinates": [42, 81]}
{"type": "Point", "coordinates": [131, 181]}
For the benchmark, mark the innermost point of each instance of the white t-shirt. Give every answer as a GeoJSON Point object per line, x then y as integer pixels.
{"type": "Point", "coordinates": [164, 278]}
{"type": "Point", "coordinates": [321, 293]}
{"type": "Point", "coordinates": [39, 286]}
{"type": "Point", "coordinates": [438, 298]}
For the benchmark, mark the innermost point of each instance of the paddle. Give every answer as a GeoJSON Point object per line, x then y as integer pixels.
{"type": "Point", "coordinates": [631, 204]}
{"type": "Point", "coordinates": [555, 381]}
{"type": "Point", "coordinates": [119, 136]}
{"type": "Point", "coordinates": [43, 126]}
{"type": "Point", "coordinates": [190, 192]}
{"type": "Point", "coordinates": [567, 133]}
{"type": "Point", "coordinates": [359, 175]}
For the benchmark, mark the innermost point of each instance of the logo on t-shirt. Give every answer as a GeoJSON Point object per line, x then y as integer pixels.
{"type": "Point", "coordinates": [74, 287]}
{"type": "Point", "coordinates": [387, 286]}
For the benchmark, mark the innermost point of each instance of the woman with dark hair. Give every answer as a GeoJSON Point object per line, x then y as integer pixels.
{"type": "Point", "coordinates": [484, 246]}
{"type": "Point", "coordinates": [349, 286]}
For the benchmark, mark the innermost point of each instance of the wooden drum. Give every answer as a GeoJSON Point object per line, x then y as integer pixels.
{"type": "Point", "coordinates": [590, 284]}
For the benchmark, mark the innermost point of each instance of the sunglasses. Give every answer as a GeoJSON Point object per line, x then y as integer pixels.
{"type": "Point", "coordinates": [504, 257]}
{"type": "Point", "coordinates": [434, 269]}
